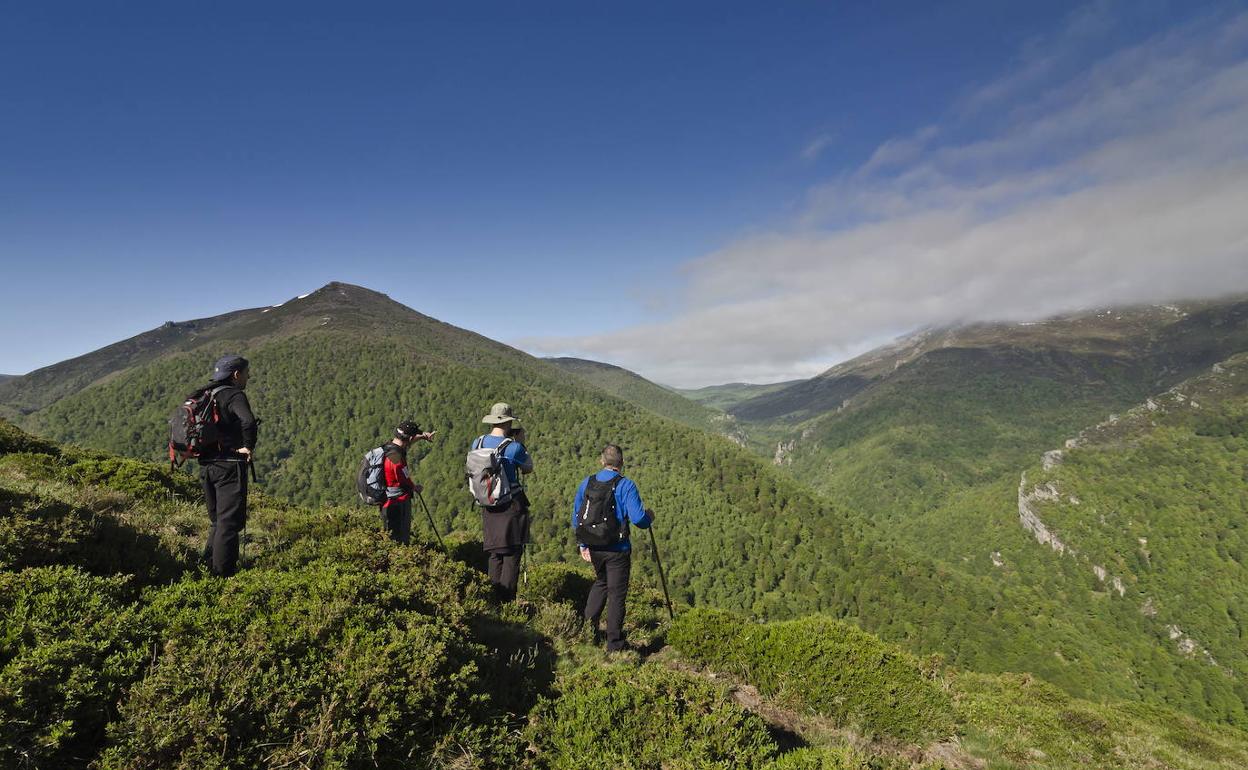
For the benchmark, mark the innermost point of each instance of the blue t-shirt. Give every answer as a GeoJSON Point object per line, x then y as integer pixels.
{"type": "Point", "coordinates": [514, 457]}
{"type": "Point", "coordinates": [628, 507]}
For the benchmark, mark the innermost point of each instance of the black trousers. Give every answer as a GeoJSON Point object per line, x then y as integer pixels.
{"type": "Point", "coordinates": [396, 517]}
{"type": "Point", "coordinates": [504, 570]}
{"type": "Point", "coordinates": [610, 588]}
{"type": "Point", "coordinates": [225, 490]}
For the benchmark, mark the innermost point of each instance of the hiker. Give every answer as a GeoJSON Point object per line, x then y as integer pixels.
{"type": "Point", "coordinates": [505, 526]}
{"type": "Point", "coordinates": [396, 511]}
{"type": "Point", "coordinates": [223, 467]}
{"type": "Point", "coordinates": [606, 502]}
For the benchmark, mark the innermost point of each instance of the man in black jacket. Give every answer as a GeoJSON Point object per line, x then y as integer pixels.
{"type": "Point", "coordinates": [223, 469]}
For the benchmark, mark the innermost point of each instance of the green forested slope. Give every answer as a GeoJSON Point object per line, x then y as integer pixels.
{"type": "Point", "coordinates": [1153, 503]}
{"type": "Point", "coordinates": [730, 394]}
{"type": "Point", "coordinates": [736, 533]}
{"type": "Point", "coordinates": [636, 389]}
{"type": "Point", "coordinates": [932, 453]}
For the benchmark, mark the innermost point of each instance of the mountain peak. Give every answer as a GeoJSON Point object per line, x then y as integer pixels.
{"type": "Point", "coordinates": [343, 299]}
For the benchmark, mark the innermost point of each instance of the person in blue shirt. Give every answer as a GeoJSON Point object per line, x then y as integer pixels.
{"type": "Point", "coordinates": [612, 562]}
{"type": "Point", "coordinates": [505, 529]}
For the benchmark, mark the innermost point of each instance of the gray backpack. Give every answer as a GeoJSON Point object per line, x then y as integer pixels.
{"type": "Point", "coordinates": [370, 479]}
{"type": "Point", "coordinates": [487, 479]}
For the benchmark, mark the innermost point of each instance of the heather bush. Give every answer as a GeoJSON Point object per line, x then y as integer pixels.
{"type": "Point", "coordinates": [646, 717]}
{"type": "Point", "coordinates": [428, 580]}
{"type": "Point", "coordinates": [41, 531]}
{"type": "Point", "coordinates": [325, 662]}
{"type": "Point", "coordinates": [830, 667]}
{"type": "Point", "coordinates": [558, 582]}
{"type": "Point", "coordinates": [143, 480]}
{"type": "Point", "coordinates": [70, 645]}
{"type": "Point", "coordinates": [14, 439]}
{"type": "Point", "coordinates": [830, 758]}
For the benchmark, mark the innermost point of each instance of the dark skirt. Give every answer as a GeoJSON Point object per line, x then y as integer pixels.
{"type": "Point", "coordinates": [505, 529]}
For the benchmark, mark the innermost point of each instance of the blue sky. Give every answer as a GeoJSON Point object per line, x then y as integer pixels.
{"type": "Point", "coordinates": [609, 173]}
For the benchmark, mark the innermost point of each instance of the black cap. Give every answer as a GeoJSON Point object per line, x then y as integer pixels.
{"type": "Point", "coordinates": [226, 366]}
{"type": "Point", "coordinates": [406, 430]}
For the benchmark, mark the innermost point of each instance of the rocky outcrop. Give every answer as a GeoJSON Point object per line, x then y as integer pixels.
{"type": "Point", "coordinates": [1051, 459]}
{"type": "Point", "coordinates": [1030, 519]}
{"type": "Point", "coordinates": [1189, 646]}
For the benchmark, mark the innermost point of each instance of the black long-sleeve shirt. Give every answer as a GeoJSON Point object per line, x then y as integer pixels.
{"type": "Point", "coordinates": [237, 427]}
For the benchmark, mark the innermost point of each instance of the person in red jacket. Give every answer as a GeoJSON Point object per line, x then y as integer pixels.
{"type": "Point", "coordinates": [396, 512]}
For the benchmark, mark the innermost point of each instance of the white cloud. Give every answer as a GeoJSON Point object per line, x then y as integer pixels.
{"type": "Point", "coordinates": [816, 146]}
{"type": "Point", "coordinates": [1126, 181]}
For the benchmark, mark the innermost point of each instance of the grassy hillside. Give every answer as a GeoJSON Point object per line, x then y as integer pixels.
{"type": "Point", "coordinates": [334, 371]}
{"type": "Point", "coordinates": [337, 648]}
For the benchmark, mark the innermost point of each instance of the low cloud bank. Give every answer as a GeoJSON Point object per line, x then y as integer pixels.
{"type": "Point", "coordinates": [1125, 181]}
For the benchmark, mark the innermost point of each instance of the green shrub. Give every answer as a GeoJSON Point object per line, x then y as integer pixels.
{"type": "Point", "coordinates": [14, 439]}
{"type": "Point", "coordinates": [69, 647]}
{"type": "Point", "coordinates": [826, 758]}
{"type": "Point", "coordinates": [710, 637]}
{"type": "Point", "coordinates": [34, 466]}
{"type": "Point", "coordinates": [467, 548]}
{"type": "Point", "coordinates": [328, 663]}
{"type": "Point", "coordinates": [146, 481]}
{"type": "Point", "coordinates": [830, 667]}
{"type": "Point", "coordinates": [431, 581]}
{"type": "Point", "coordinates": [558, 583]}
{"type": "Point", "coordinates": [288, 524]}
{"type": "Point", "coordinates": [36, 531]}
{"type": "Point", "coordinates": [647, 717]}
{"type": "Point", "coordinates": [558, 620]}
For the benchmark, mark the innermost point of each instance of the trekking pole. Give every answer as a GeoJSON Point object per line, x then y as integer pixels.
{"type": "Point", "coordinates": [432, 525]}
{"type": "Point", "coordinates": [654, 545]}
{"type": "Point", "coordinates": [242, 533]}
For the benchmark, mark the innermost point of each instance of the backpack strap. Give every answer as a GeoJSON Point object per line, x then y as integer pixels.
{"type": "Point", "coordinates": [212, 398]}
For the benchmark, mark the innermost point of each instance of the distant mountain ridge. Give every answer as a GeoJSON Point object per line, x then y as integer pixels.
{"type": "Point", "coordinates": [724, 397]}
{"type": "Point", "coordinates": [1164, 337]}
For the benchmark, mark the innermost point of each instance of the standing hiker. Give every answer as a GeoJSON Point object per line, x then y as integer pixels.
{"type": "Point", "coordinates": [223, 465]}
{"type": "Point", "coordinates": [495, 463]}
{"type": "Point", "coordinates": [396, 512]}
{"type": "Point", "coordinates": [606, 502]}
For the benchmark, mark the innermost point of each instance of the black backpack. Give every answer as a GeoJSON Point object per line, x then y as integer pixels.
{"type": "Point", "coordinates": [193, 426]}
{"type": "Point", "coordinates": [596, 522]}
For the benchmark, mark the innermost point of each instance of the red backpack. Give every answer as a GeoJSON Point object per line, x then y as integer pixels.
{"type": "Point", "coordinates": [193, 426]}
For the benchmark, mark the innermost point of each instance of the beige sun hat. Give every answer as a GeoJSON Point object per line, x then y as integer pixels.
{"type": "Point", "coordinates": [499, 414]}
